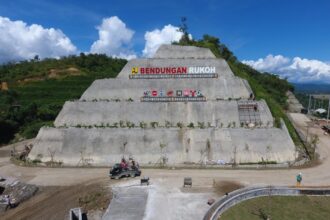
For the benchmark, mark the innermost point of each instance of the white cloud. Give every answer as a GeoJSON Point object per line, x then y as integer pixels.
{"type": "Point", "coordinates": [114, 39]}
{"type": "Point", "coordinates": [19, 41]}
{"type": "Point", "coordinates": [270, 63]}
{"type": "Point", "coordinates": [296, 70]}
{"type": "Point", "coordinates": [158, 37]}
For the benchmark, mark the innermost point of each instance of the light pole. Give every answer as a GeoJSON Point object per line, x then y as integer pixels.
{"type": "Point", "coordinates": [309, 104]}
{"type": "Point", "coordinates": [328, 112]}
{"type": "Point", "coordinates": [307, 133]}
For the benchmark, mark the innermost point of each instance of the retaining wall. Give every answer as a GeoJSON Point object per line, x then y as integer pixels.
{"type": "Point", "coordinates": [105, 146]}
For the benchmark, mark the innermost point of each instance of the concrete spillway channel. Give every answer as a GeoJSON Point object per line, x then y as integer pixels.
{"type": "Point", "coordinates": [241, 195]}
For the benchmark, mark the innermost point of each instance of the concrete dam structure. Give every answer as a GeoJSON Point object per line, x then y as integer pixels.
{"type": "Point", "coordinates": [183, 106]}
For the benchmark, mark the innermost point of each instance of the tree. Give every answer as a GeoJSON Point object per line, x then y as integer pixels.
{"type": "Point", "coordinates": [162, 161]}
{"type": "Point", "coordinates": [185, 40]}
{"type": "Point", "coordinates": [210, 39]}
{"type": "Point", "coordinates": [7, 130]}
{"type": "Point", "coordinates": [36, 58]}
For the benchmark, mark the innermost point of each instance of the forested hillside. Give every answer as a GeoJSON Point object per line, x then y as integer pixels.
{"type": "Point", "coordinates": [38, 89]}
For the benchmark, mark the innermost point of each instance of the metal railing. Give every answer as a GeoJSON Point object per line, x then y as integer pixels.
{"type": "Point", "coordinates": [241, 195]}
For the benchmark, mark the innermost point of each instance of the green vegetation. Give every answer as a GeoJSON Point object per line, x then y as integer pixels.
{"type": "Point", "coordinates": [190, 125]}
{"type": "Point", "coordinates": [263, 162]}
{"type": "Point", "coordinates": [281, 207]}
{"type": "Point", "coordinates": [38, 90]}
{"type": "Point", "coordinates": [265, 86]}
{"type": "Point", "coordinates": [72, 65]}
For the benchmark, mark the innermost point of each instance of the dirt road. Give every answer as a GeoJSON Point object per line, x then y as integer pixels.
{"type": "Point", "coordinates": [54, 202]}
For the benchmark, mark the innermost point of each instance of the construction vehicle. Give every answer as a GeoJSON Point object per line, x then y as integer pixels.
{"type": "Point", "coordinates": [117, 172]}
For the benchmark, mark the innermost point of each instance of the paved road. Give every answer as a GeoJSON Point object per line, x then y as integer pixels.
{"type": "Point", "coordinates": [318, 175]}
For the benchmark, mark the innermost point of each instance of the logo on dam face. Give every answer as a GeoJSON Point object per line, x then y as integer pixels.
{"type": "Point", "coordinates": [186, 95]}
{"type": "Point", "coordinates": [146, 93]}
{"type": "Point", "coordinates": [170, 93]}
{"type": "Point", "coordinates": [161, 93]}
{"type": "Point", "coordinates": [173, 72]}
{"type": "Point", "coordinates": [178, 93]}
{"type": "Point", "coordinates": [135, 70]}
{"type": "Point", "coordinates": [154, 93]}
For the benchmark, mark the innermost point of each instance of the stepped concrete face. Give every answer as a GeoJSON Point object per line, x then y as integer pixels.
{"type": "Point", "coordinates": [226, 86]}
{"type": "Point", "coordinates": [104, 146]}
{"type": "Point", "coordinates": [183, 106]}
{"type": "Point", "coordinates": [121, 89]}
{"type": "Point", "coordinates": [111, 113]}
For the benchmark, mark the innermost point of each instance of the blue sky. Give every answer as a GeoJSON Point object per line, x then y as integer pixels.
{"type": "Point", "coordinates": [253, 29]}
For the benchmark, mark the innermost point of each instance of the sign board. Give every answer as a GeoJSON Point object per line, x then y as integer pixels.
{"type": "Point", "coordinates": [173, 72]}
{"type": "Point", "coordinates": [173, 96]}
